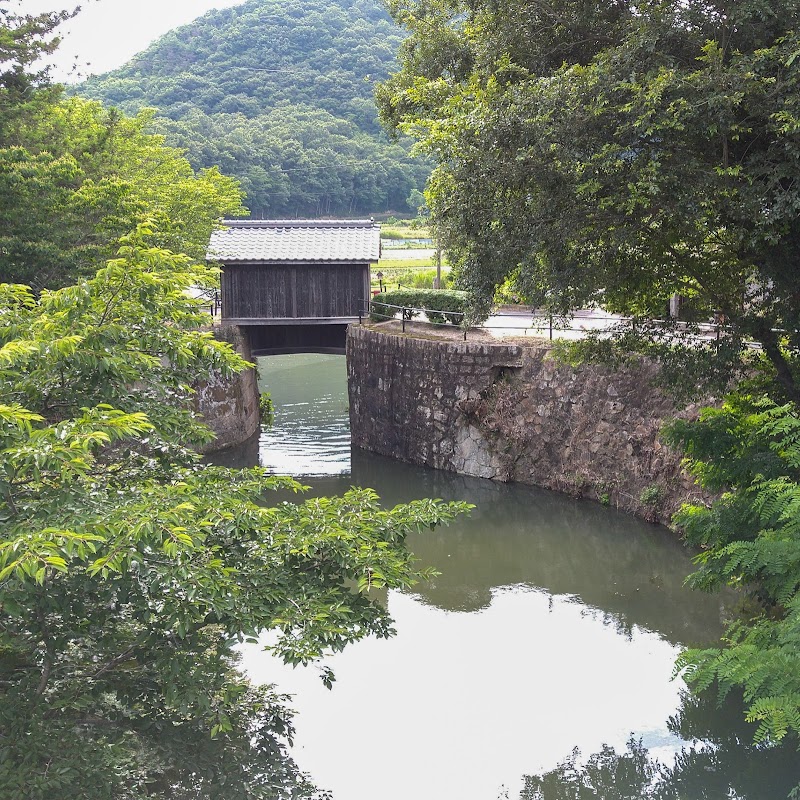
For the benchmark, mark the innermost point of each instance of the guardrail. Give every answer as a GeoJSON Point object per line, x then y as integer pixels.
{"type": "Point", "coordinates": [587, 321]}
{"type": "Point", "coordinates": [407, 313]}
{"type": "Point", "coordinates": [541, 324]}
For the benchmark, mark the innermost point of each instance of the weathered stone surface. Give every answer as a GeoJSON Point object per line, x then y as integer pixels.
{"type": "Point", "coordinates": [512, 413]}
{"type": "Point", "coordinates": [229, 406]}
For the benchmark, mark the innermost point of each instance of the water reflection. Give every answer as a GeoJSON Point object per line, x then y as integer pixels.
{"type": "Point", "coordinates": [311, 431]}
{"type": "Point", "coordinates": [554, 623]}
{"type": "Point", "coordinates": [630, 571]}
{"type": "Point", "coordinates": [724, 764]}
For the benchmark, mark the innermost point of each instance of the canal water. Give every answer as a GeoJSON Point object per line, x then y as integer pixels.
{"type": "Point", "coordinates": [554, 625]}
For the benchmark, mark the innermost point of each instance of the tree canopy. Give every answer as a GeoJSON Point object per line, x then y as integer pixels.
{"type": "Point", "coordinates": [75, 177]}
{"type": "Point", "coordinates": [615, 153]}
{"type": "Point", "coordinates": [301, 161]}
{"type": "Point", "coordinates": [619, 153]}
{"type": "Point", "coordinates": [25, 39]}
{"type": "Point", "coordinates": [278, 94]}
{"type": "Point", "coordinates": [129, 570]}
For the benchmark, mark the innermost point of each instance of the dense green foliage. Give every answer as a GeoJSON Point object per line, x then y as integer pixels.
{"type": "Point", "coordinates": [300, 161]}
{"type": "Point", "coordinates": [750, 538]}
{"type": "Point", "coordinates": [439, 305]}
{"type": "Point", "coordinates": [278, 94]}
{"type": "Point", "coordinates": [74, 178]}
{"type": "Point", "coordinates": [128, 570]}
{"type": "Point", "coordinates": [615, 153]}
{"type": "Point", "coordinates": [620, 153]}
{"type": "Point", "coordinates": [25, 40]}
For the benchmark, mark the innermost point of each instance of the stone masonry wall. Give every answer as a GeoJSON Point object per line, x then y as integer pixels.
{"type": "Point", "coordinates": [509, 412]}
{"type": "Point", "coordinates": [230, 406]}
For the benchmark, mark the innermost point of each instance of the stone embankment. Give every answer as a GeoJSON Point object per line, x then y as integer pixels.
{"type": "Point", "coordinates": [511, 412]}
{"type": "Point", "coordinates": [229, 406]}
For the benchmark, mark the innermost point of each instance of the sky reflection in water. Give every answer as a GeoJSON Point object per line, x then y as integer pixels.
{"type": "Point", "coordinates": [554, 624]}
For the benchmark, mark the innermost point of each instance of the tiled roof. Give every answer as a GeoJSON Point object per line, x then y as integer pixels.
{"type": "Point", "coordinates": [296, 240]}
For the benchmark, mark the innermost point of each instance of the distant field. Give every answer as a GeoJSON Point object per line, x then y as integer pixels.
{"type": "Point", "coordinates": [404, 232]}
{"type": "Point", "coordinates": [420, 276]}
{"type": "Point", "coordinates": [405, 263]}
{"type": "Point", "coordinates": [400, 232]}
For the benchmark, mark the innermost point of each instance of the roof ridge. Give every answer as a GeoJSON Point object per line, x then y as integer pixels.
{"type": "Point", "coordinates": [300, 223]}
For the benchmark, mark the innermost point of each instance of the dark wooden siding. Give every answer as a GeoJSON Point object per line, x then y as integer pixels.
{"type": "Point", "coordinates": [269, 291]}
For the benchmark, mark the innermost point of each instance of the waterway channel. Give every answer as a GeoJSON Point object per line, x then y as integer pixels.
{"type": "Point", "coordinates": [554, 625]}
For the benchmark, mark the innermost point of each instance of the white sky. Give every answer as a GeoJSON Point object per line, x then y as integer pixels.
{"type": "Point", "coordinates": [107, 33]}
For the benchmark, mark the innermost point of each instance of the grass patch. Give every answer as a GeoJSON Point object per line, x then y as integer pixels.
{"type": "Point", "coordinates": [404, 232]}
{"type": "Point", "coordinates": [404, 264]}
{"type": "Point", "coordinates": [418, 275]}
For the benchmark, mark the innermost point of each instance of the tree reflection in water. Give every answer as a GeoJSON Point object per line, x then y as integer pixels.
{"type": "Point", "coordinates": [724, 764]}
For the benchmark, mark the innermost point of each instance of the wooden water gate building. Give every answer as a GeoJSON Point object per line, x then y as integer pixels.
{"type": "Point", "coordinates": [295, 285]}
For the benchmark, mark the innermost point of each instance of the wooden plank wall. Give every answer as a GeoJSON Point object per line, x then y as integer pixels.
{"type": "Point", "coordinates": [294, 290]}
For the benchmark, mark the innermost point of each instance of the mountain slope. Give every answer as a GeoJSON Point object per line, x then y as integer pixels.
{"type": "Point", "coordinates": [278, 93]}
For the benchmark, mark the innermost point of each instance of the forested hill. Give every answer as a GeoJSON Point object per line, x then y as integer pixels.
{"type": "Point", "coordinates": [279, 94]}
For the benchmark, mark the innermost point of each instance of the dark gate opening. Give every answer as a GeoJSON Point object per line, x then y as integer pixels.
{"type": "Point", "coordinates": [266, 340]}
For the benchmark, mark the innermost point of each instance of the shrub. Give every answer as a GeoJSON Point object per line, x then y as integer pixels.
{"type": "Point", "coordinates": [440, 305]}
{"type": "Point", "coordinates": [651, 495]}
{"type": "Point", "coordinates": [266, 409]}
{"type": "Point", "coordinates": [508, 294]}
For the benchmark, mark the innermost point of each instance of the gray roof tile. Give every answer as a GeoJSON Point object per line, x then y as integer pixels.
{"type": "Point", "coordinates": [296, 240]}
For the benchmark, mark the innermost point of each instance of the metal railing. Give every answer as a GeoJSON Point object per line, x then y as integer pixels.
{"type": "Point", "coordinates": [407, 313]}
{"type": "Point", "coordinates": [540, 323]}
{"type": "Point", "coordinates": [212, 300]}
{"type": "Point", "coordinates": [585, 322]}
